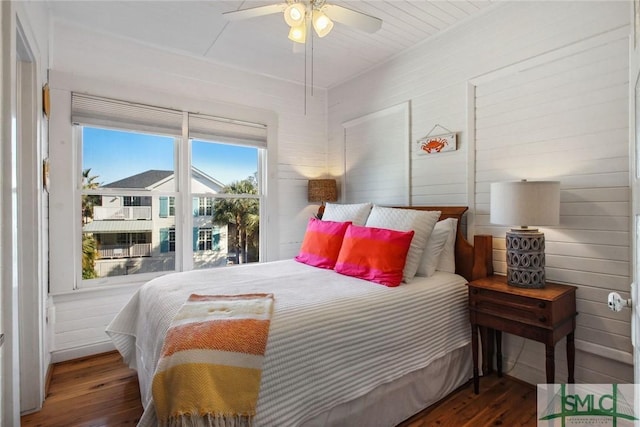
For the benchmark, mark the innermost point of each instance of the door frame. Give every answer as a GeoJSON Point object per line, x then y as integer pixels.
{"type": "Point", "coordinates": [21, 238]}
{"type": "Point", "coordinates": [31, 292]}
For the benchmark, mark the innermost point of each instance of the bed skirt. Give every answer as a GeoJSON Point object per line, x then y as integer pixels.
{"type": "Point", "coordinates": [391, 403]}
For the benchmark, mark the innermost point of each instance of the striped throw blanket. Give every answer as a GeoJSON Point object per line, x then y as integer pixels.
{"type": "Point", "coordinates": [211, 362]}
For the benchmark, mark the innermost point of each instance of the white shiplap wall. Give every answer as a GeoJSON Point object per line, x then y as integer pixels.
{"type": "Point", "coordinates": [88, 61]}
{"type": "Point", "coordinates": [562, 117]}
{"type": "Point", "coordinates": [558, 74]}
{"type": "Point", "coordinates": [376, 142]}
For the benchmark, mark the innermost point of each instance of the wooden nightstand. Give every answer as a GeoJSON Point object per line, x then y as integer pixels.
{"type": "Point", "coordinates": [545, 315]}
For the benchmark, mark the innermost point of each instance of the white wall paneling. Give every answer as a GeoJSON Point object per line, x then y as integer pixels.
{"type": "Point", "coordinates": [96, 308]}
{"type": "Point", "coordinates": [562, 117]}
{"type": "Point", "coordinates": [376, 150]}
{"type": "Point", "coordinates": [535, 90]}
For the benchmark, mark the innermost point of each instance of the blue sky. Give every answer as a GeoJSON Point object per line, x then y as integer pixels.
{"type": "Point", "coordinates": [113, 155]}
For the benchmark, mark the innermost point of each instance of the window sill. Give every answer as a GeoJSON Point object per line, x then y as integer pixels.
{"type": "Point", "coordinates": [109, 288]}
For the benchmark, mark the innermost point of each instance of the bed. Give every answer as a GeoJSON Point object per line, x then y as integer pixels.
{"type": "Point", "coordinates": [341, 350]}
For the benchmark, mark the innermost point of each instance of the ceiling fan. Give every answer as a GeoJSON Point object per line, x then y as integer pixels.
{"type": "Point", "coordinates": [300, 14]}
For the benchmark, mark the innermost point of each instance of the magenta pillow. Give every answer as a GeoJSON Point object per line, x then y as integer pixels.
{"type": "Point", "coordinates": [322, 242]}
{"type": "Point", "coordinates": [374, 254]}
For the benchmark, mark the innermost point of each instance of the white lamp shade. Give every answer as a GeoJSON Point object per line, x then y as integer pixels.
{"type": "Point", "coordinates": [298, 34]}
{"type": "Point", "coordinates": [294, 14]}
{"type": "Point", "coordinates": [525, 203]}
{"type": "Point", "coordinates": [321, 23]}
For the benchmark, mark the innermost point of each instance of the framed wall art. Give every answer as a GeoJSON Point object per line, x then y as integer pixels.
{"type": "Point", "coordinates": [437, 143]}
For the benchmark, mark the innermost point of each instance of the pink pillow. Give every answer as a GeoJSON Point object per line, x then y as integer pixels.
{"type": "Point", "coordinates": [374, 254]}
{"type": "Point", "coordinates": [322, 242]}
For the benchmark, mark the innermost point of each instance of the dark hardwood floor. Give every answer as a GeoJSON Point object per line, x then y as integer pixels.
{"type": "Point", "coordinates": [102, 391]}
{"type": "Point", "coordinates": [502, 401]}
{"type": "Point", "coordinates": [90, 392]}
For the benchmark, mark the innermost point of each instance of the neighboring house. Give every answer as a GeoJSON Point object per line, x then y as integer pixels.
{"type": "Point", "coordinates": [136, 234]}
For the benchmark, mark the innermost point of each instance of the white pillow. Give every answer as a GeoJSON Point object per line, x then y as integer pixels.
{"type": "Point", "coordinates": [435, 245]}
{"type": "Point", "coordinates": [421, 222]}
{"type": "Point", "coordinates": [443, 235]}
{"type": "Point", "coordinates": [447, 261]}
{"type": "Point", "coordinates": [357, 213]}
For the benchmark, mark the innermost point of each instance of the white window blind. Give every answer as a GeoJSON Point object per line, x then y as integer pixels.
{"type": "Point", "coordinates": [227, 130]}
{"type": "Point", "coordinates": [96, 111]}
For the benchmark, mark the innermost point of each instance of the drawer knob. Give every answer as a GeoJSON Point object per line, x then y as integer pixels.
{"type": "Point", "coordinates": [541, 304]}
{"type": "Point", "coordinates": [542, 319]}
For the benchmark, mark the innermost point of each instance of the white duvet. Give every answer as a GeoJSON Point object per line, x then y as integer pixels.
{"type": "Point", "coordinates": [333, 338]}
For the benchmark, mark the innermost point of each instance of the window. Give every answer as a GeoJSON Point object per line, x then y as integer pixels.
{"type": "Point", "coordinates": [232, 171]}
{"type": "Point", "coordinates": [167, 238]}
{"type": "Point", "coordinates": [204, 206]}
{"type": "Point", "coordinates": [132, 201]}
{"type": "Point", "coordinates": [134, 221]}
{"type": "Point", "coordinates": [133, 238]}
{"type": "Point", "coordinates": [118, 222]}
{"type": "Point", "coordinates": [172, 240]}
{"type": "Point", "coordinates": [172, 206]}
{"type": "Point", "coordinates": [167, 207]}
{"type": "Point", "coordinates": [204, 239]}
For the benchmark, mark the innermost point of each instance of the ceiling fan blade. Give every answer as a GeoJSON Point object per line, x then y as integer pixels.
{"type": "Point", "coordinates": [358, 20]}
{"type": "Point", "coordinates": [252, 12]}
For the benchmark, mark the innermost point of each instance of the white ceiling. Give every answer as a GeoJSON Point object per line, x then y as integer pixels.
{"type": "Point", "coordinates": [260, 44]}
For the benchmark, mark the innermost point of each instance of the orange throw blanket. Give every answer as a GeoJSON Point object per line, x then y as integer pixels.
{"type": "Point", "coordinates": [211, 363]}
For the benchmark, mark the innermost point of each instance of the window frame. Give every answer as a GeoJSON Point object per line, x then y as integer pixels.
{"type": "Point", "coordinates": [183, 244]}
{"type": "Point", "coordinates": [64, 213]}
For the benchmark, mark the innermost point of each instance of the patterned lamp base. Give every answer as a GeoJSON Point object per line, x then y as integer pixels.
{"type": "Point", "coordinates": [525, 258]}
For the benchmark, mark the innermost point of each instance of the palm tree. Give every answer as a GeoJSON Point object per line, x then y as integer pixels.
{"type": "Point", "coordinates": [89, 244]}
{"type": "Point", "coordinates": [242, 214]}
{"type": "Point", "coordinates": [89, 255]}
{"type": "Point", "coordinates": [89, 201]}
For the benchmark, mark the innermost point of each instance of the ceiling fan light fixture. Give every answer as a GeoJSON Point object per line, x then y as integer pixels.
{"type": "Point", "coordinates": [321, 23]}
{"type": "Point", "coordinates": [294, 14]}
{"type": "Point", "coordinates": [298, 33]}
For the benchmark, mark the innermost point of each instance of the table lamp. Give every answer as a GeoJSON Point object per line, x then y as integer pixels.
{"type": "Point", "coordinates": [322, 190]}
{"type": "Point", "coordinates": [525, 203]}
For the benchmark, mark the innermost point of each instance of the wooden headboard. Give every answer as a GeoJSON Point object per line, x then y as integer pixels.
{"type": "Point", "coordinates": [472, 261]}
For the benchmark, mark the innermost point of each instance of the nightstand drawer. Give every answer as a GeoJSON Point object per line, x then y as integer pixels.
{"type": "Point", "coordinates": [513, 307]}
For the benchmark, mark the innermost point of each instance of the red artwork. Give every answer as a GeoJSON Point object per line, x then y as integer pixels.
{"type": "Point", "coordinates": [434, 145]}
{"type": "Point", "coordinates": [437, 143]}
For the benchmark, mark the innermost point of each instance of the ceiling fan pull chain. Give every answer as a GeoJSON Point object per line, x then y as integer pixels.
{"type": "Point", "coordinates": [311, 61]}
{"type": "Point", "coordinates": [305, 79]}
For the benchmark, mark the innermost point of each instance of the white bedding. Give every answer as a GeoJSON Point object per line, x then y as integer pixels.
{"type": "Point", "coordinates": [333, 338]}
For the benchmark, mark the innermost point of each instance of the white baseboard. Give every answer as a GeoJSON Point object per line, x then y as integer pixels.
{"type": "Point", "coordinates": [82, 351]}
{"type": "Point", "coordinates": [606, 352]}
